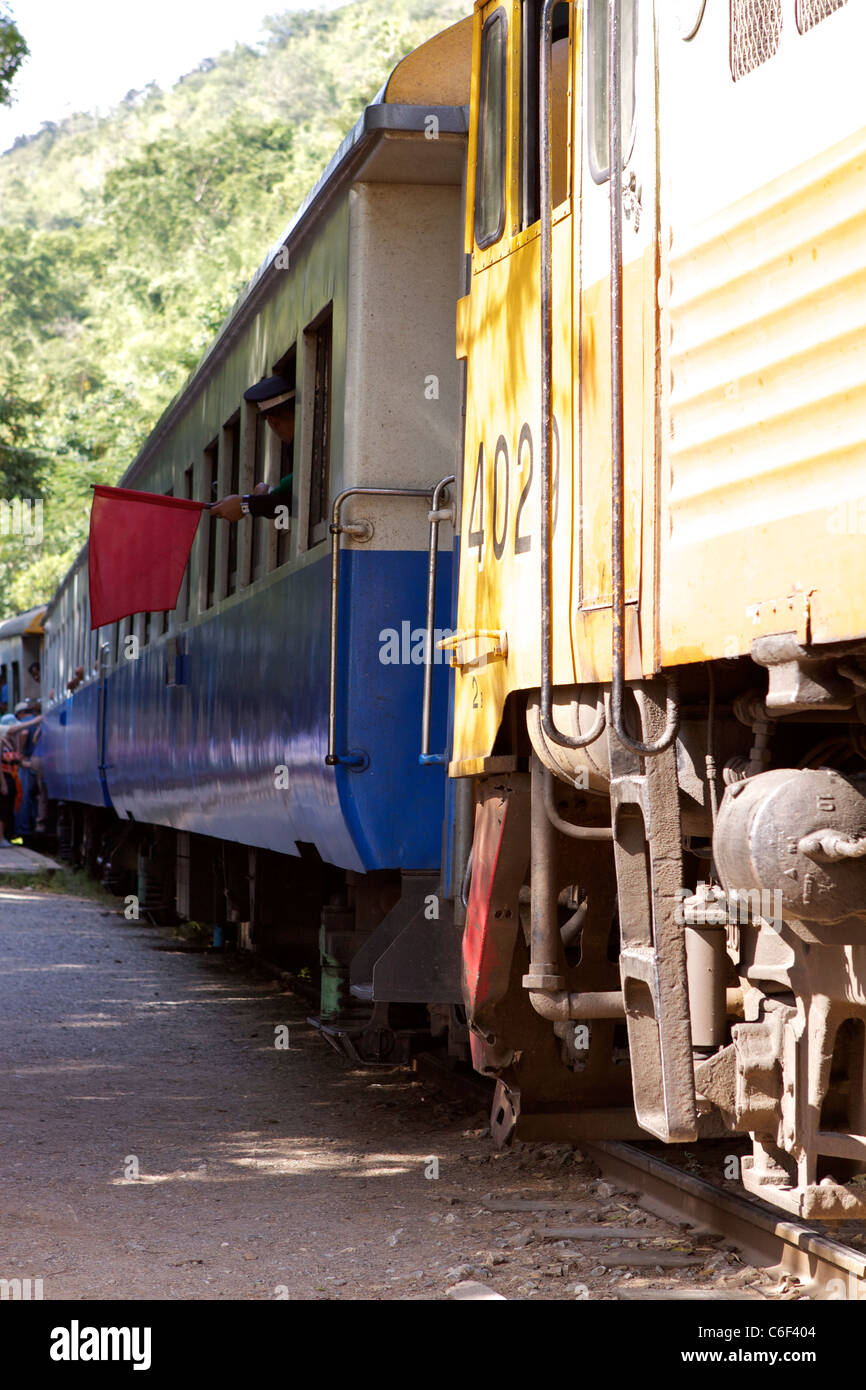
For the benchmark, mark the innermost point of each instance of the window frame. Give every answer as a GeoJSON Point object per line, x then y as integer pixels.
{"type": "Point", "coordinates": [601, 175]}
{"type": "Point", "coordinates": [210, 549]}
{"type": "Point", "coordinates": [317, 530]}
{"type": "Point", "coordinates": [499, 17]}
{"type": "Point", "coordinates": [234, 464]}
{"type": "Point", "coordinates": [528, 163]}
{"type": "Point", "coordinates": [287, 366]}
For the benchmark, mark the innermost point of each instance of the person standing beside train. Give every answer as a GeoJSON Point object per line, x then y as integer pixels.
{"type": "Point", "coordinates": [34, 809]}
{"type": "Point", "coordinates": [10, 782]}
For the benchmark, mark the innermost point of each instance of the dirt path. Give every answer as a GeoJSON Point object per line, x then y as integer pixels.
{"type": "Point", "coordinates": [261, 1172]}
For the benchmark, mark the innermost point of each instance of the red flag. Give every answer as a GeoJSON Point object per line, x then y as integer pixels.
{"type": "Point", "coordinates": [139, 546]}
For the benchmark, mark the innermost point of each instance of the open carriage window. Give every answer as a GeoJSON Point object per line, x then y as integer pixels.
{"type": "Point", "coordinates": [530, 83]}
{"type": "Point", "coordinates": [211, 492]}
{"type": "Point", "coordinates": [287, 367]}
{"type": "Point", "coordinates": [490, 159]}
{"type": "Point", "coordinates": [598, 101]}
{"type": "Point", "coordinates": [319, 349]}
{"type": "Point", "coordinates": [233, 450]}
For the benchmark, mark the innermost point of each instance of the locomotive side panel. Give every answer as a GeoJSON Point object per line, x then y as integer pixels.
{"type": "Point", "coordinates": [763, 288]}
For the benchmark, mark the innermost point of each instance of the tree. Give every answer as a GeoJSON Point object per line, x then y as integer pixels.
{"type": "Point", "coordinates": [13, 51]}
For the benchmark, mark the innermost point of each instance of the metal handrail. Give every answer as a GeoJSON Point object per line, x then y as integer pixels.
{"type": "Point", "coordinates": [617, 418]}
{"type": "Point", "coordinates": [551, 732]}
{"type": "Point", "coordinates": [436, 516]}
{"type": "Point", "coordinates": [361, 531]}
{"type": "Point", "coordinates": [104, 652]}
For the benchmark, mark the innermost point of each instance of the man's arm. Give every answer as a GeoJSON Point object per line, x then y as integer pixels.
{"type": "Point", "coordinates": [267, 504]}
{"type": "Point", "coordinates": [259, 503]}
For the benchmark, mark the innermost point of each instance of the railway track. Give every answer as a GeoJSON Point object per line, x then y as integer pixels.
{"type": "Point", "coordinates": [816, 1265]}
{"type": "Point", "coordinates": [823, 1267]}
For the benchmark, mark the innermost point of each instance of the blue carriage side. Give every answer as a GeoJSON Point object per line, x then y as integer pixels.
{"type": "Point", "coordinates": [275, 717]}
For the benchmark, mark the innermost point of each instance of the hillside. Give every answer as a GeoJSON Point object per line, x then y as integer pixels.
{"type": "Point", "coordinates": [125, 239]}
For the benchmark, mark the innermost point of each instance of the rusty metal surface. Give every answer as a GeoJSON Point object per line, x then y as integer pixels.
{"type": "Point", "coordinates": [648, 855]}
{"type": "Point", "coordinates": [825, 1267]}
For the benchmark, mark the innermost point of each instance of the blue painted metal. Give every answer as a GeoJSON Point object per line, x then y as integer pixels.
{"type": "Point", "coordinates": [451, 889]}
{"type": "Point", "coordinates": [237, 750]}
{"type": "Point", "coordinates": [69, 747]}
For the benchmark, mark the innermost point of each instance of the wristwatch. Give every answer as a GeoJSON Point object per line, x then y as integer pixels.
{"type": "Point", "coordinates": [245, 505]}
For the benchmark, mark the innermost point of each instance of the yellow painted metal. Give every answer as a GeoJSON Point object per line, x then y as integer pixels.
{"type": "Point", "coordinates": [591, 610]}
{"type": "Point", "coordinates": [764, 412]}
{"type": "Point", "coordinates": [745, 427]}
{"type": "Point", "coordinates": [498, 332]}
{"type": "Point", "coordinates": [475, 648]}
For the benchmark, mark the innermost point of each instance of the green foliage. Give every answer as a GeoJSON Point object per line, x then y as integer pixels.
{"type": "Point", "coordinates": [75, 883]}
{"type": "Point", "coordinates": [13, 51]}
{"type": "Point", "coordinates": [126, 239]}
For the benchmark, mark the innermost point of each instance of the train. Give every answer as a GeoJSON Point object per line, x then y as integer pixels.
{"type": "Point", "coordinates": [541, 716]}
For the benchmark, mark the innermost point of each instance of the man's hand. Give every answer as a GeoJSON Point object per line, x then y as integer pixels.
{"type": "Point", "coordinates": [229, 508]}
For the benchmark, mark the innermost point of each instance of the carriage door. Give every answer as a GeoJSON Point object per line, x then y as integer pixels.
{"type": "Point", "coordinates": [637, 188]}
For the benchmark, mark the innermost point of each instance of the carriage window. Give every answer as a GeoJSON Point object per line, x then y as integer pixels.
{"type": "Point", "coordinates": [233, 448]}
{"type": "Point", "coordinates": [490, 158]}
{"type": "Point", "coordinates": [598, 114]}
{"type": "Point", "coordinates": [259, 534]}
{"type": "Point", "coordinates": [811, 12]}
{"type": "Point", "coordinates": [530, 177]}
{"type": "Point", "coordinates": [756, 28]}
{"type": "Point", "coordinates": [211, 489]}
{"type": "Point", "coordinates": [284, 521]}
{"type": "Point", "coordinates": [319, 344]}
{"type": "Point", "coordinates": [182, 610]}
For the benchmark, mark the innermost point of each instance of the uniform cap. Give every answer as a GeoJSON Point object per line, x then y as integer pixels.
{"type": "Point", "coordinates": [272, 391]}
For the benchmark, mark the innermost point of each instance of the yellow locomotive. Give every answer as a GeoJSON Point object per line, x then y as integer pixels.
{"type": "Point", "coordinates": [660, 652]}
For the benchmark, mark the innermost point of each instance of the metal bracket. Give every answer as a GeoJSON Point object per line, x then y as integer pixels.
{"type": "Point", "coordinates": [648, 855]}
{"type": "Point", "coordinates": [456, 643]}
{"type": "Point", "coordinates": [360, 531]}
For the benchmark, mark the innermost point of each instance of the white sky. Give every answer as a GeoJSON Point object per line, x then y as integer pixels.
{"type": "Point", "coordinates": [88, 54]}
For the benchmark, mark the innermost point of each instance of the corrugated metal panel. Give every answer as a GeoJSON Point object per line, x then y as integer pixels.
{"type": "Point", "coordinates": [811, 12]}
{"type": "Point", "coordinates": [756, 28]}
{"type": "Point", "coordinates": [766, 318]}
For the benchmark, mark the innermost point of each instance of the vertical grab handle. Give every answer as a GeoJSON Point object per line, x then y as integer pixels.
{"type": "Point", "coordinates": [437, 515]}
{"type": "Point", "coordinates": [544, 155]}
{"type": "Point", "coordinates": [104, 653]}
{"type": "Point", "coordinates": [617, 417]}
{"type": "Point", "coordinates": [360, 531]}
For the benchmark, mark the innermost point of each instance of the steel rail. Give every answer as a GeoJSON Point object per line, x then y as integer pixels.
{"type": "Point", "coordinates": [767, 1238]}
